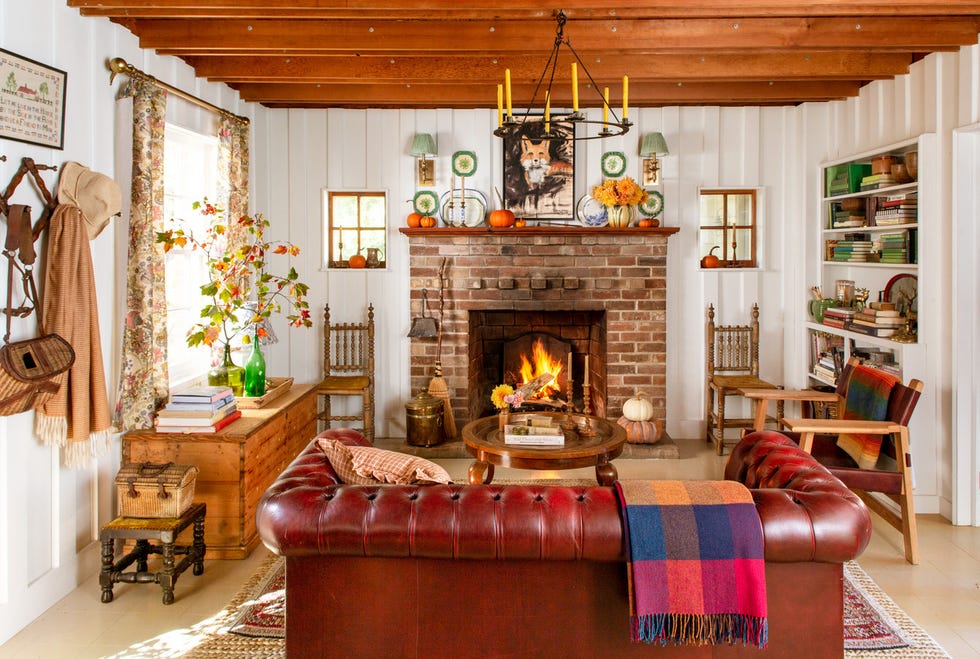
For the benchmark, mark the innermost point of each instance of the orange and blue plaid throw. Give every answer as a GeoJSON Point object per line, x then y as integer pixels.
{"type": "Point", "coordinates": [695, 563]}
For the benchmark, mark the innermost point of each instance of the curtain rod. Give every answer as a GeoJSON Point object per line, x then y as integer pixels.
{"type": "Point", "coordinates": [119, 65]}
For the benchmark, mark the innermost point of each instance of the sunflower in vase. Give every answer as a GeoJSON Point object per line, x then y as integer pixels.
{"type": "Point", "coordinates": [620, 197]}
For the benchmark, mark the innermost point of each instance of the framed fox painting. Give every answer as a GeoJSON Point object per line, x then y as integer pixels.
{"type": "Point", "coordinates": [539, 174]}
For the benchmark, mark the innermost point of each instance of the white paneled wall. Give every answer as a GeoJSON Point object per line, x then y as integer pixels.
{"type": "Point", "coordinates": [49, 516]}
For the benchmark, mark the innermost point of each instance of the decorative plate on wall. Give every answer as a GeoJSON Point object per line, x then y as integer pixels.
{"type": "Point", "coordinates": [459, 212]}
{"type": "Point", "coordinates": [654, 205]}
{"type": "Point", "coordinates": [464, 163]}
{"type": "Point", "coordinates": [425, 202]}
{"type": "Point", "coordinates": [613, 163]}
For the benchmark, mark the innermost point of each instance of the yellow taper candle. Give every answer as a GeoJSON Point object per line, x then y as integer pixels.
{"type": "Point", "coordinates": [626, 97]}
{"type": "Point", "coordinates": [510, 110]}
{"type": "Point", "coordinates": [547, 112]}
{"type": "Point", "coordinates": [574, 86]}
{"type": "Point", "coordinates": [500, 105]}
{"type": "Point", "coordinates": [568, 376]}
{"type": "Point", "coordinates": [586, 380]}
{"type": "Point", "coordinates": [605, 105]}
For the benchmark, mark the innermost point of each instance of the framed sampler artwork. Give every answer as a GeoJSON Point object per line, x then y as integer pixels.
{"type": "Point", "coordinates": [32, 101]}
{"type": "Point", "coordinates": [539, 174]}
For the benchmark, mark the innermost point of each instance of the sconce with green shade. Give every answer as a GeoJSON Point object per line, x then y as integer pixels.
{"type": "Point", "coordinates": [422, 146]}
{"type": "Point", "coordinates": [652, 145]}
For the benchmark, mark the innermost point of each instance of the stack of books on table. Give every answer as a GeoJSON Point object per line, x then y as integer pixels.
{"type": "Point", "coordinates": [536, 430]}
{"type": "Point", "coordinates": [838, 316]}
{"type": "Point", "coordinates": [198, 410]}
{"type": "Point", "coordinates": [877, 322]}
{"type": "Point", "coordinates": [897, 209]}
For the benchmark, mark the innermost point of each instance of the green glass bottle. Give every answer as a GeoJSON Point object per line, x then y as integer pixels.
{"type": "Point", "coordinates": [255, 370]}
{"type": "Point", "coordinates": [227, 373]}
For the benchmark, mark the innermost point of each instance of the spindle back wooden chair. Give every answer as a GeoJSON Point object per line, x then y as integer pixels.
{"type": "Point", "coordinates": [348, 370]}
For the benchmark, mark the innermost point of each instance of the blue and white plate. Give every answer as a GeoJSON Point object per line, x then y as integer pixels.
{"type": "Point", "coordinates": [591, 213]}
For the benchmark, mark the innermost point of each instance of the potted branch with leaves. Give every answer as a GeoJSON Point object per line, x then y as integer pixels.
{"type": "Point", "coordinates": [241, 292]}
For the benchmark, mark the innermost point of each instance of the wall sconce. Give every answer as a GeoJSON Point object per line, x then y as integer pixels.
{"type": "Point", "coordinates": [652, 145]}
{"type": "Point", "coordinates": [423, 145]}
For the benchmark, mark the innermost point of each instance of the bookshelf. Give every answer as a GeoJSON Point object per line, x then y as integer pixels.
{"type": "Point", "coordinates": [869, 233]}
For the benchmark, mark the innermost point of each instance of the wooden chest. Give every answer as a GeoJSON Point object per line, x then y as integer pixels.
{"type": "Point", "coordinates": [237, 464]}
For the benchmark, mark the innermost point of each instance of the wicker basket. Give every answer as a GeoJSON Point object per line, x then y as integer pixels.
{"type": "Point", "coordinates": [155, 490]}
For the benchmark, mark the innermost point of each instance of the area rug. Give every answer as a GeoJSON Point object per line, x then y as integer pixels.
{"type": "Point", "coordinates": [874, 626]}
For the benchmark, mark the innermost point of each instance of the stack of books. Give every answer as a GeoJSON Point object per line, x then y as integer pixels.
{"type": "Point", "coordinates": [895, 247]}
{"type": "Point", "coordinates": [838, 185]}
{"type": "Point", "coordinates": [852, 250]}
{"type": "Point", "coordinates": [838, 316]}
{"type": "Point", "coordinates": [897, 209]}
{"type": "Point", "coordinates": [198, 410]}
{"type": "Point", "coordinates": [878, 321]}
{"type": "Point", "coordinates": [876, 181]}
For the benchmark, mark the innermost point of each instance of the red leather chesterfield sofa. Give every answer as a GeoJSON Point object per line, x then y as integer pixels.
{"type": "Point", "coordinates": [532, 571]}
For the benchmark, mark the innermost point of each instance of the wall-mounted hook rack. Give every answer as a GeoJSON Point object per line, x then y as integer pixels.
{"type": "Point", "coordinates": [27, 165]}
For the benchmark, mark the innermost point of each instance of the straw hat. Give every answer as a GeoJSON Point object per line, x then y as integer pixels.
{"type": "Point", "coordinates": [95, 194]}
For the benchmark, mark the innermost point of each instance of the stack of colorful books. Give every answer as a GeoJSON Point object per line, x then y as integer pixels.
{"type": "Point", "coordinates": [879, 321]}
{"type": "Point", "coordinates": [198, 410]}
{"type": "Point", "coordinates": [876, 181]}
{"type": "Point", "coordinates": [897, 209]}
{"type": "Point", "coordinates": [895, 247]}
{"type": "Point", "coordinates": [838, 316]}
{"type": "Point", "coordinates": [852, 250]}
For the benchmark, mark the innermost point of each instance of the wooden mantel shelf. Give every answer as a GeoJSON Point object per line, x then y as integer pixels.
{"type": "Point", "coordinates": [550, 230]}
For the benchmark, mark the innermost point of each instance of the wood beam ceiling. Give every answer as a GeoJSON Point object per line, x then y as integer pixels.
{"type": "Point", "coordinates": [337, 53]}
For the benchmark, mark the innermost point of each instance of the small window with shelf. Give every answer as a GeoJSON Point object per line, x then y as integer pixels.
{"type": "Point", "coordinates": [355, 223]}
{"type": "Point", "coordinates": [729, 226]}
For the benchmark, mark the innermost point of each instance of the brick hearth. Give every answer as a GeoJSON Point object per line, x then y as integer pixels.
{"type": "Point", "coordinates": [620, 271]}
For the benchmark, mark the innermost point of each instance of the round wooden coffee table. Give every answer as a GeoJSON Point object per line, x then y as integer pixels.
{"type": "Point", "coordinates": [485, 442]}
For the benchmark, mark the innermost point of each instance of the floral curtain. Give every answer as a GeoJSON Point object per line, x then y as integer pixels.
{"type": "Point", "coordinates": [144, 380]}
{"type": "Point", "coordinates": [233, 160]}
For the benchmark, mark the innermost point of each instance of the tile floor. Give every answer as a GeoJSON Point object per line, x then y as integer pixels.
{"type": "Point", "coordinates": [942, 594]}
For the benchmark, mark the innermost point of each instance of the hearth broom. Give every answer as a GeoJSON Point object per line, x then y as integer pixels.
{"type": "Point", "coordinates": [437, 386]}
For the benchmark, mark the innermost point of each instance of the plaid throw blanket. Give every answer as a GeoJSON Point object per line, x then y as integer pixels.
{"type": "Point", "coordinates": [695, 563]}
{"type": "Point", "coordinates": [868, 392]}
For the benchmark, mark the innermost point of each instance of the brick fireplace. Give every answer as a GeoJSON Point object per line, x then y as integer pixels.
{"type": "Point", "coordinates": [601, 290]}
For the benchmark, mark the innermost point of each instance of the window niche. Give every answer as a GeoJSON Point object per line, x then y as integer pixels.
{"type": "Point", "coordinates": [728, 220]}
{"type": "Point", "coordinates": [355, 224]}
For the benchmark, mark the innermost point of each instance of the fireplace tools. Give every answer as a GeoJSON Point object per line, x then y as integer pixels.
{"type": "Point", "coordinates": [437, 386]}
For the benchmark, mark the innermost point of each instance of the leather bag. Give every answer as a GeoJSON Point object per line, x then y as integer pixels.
{"type": "Point", "coordinates": [30, 370]}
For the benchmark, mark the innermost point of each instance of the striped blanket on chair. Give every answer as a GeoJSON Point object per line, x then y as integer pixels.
{"type": "Point", "coordinates": [695, 562]}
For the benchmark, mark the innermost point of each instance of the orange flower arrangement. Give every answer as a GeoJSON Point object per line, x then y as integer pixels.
{"type": "Point", "coordinates": [619, 192]}
{"type": "Point", "coordinates": [239, 282]}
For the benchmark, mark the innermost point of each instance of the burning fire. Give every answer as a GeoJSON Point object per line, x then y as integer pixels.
{"type": "Point", "coordinates": [541, 362]}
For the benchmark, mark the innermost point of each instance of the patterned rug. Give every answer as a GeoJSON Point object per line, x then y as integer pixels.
{"type": "Point", "coordinates": [874, 626]}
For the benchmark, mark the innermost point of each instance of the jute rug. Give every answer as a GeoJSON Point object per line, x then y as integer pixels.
{"type": "Point", "coordinates": [874, 626]}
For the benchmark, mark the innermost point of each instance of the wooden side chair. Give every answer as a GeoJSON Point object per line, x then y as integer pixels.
{"type": "Point", "coordinates": [348, 370]}
{"type": "Point", "coordinates": [849, 445]}
{"type": "Point", "coordinates": [732, 363]}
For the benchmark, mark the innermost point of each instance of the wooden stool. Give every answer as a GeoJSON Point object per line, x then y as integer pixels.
{"type": "Point", "coordinates": [165, 530]}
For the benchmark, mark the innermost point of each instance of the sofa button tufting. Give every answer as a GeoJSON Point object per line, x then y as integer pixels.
{"type": "Point", "coordinates": [496, 497]}
{"type": "Point", "coordinates": [372, 496]}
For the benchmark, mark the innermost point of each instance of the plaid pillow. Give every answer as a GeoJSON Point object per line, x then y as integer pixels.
{"type": "Point", "coordinates": [364, 465]}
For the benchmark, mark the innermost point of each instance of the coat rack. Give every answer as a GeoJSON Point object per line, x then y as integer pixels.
{"type": "Point", "coordinates": [28, 165]}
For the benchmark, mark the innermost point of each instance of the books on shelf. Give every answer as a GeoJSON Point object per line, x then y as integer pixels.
{"type": "Point", "coordinates": [211, 428]}
{"type": "Point", "coordinates": [876, 181]}
{"type": "Point", "coordinates": [852, 250]}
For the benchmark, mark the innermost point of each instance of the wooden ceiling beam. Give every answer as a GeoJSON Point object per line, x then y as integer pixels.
{"type": "Point", "coordinates": [514, 9]}
{"type": "Point", "coordinates": [480, 96]}
{"type": "Point", "coordinates": [420, 69]}
{"type": "Point", "coordinates": [188, 37]}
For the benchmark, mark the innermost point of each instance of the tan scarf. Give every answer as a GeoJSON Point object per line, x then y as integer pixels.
{"type": "Point", "coordinates": [77, 417]}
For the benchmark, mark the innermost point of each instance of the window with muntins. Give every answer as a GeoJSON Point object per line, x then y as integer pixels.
{"type": "Point", "coordinates": [355, 222]}
{"type": "Point", "coordinates": [728, 226]}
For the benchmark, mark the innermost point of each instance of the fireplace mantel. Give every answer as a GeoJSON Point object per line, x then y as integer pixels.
{"type": "Point", "coordinates": [549, 230]}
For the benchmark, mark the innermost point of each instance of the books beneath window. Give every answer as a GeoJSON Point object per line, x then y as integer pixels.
{"type": "Point", "coordinates": [198, 410]}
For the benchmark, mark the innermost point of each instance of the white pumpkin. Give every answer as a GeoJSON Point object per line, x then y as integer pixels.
{"type": "Point", "coordinates": [638, 408]}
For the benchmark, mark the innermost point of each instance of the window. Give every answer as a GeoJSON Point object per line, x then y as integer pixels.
{"type": "Point", "coordinates": [354, 223]}
{"type": "Point", "coordinates": [190, 174]}
{"type": "Point", "coordinates": [728, 227]}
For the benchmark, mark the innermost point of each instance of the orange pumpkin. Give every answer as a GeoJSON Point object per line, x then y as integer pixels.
{"type": "Point", "coordinates": [642, 432]}
{"type": "Point", "coordinates": [502, 218]}
{"type": "Point", "coordinates": [427, 221]}
{"type": "Point", "coordinates": [357, 261]}
{"type": "Point", "coordinates": [710, 260]}
{"type": "Point", "coordinates": [520, 222]}
{"type": "Point", "coordinates": [414, 220]}
{"type": "Point", "coordinates": [645, 222]}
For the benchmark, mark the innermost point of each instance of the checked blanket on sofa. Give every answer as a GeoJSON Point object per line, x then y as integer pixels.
{"type": "Point", "coordinates": [695, 563]}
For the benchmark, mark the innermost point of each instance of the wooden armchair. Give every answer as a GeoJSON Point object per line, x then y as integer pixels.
{"type": "Point", "coordinates": [732, 363]}
{"type": "Point", "coordinates": [889, 475]}
{"type": "Point", "coordinates": [348, 370]}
